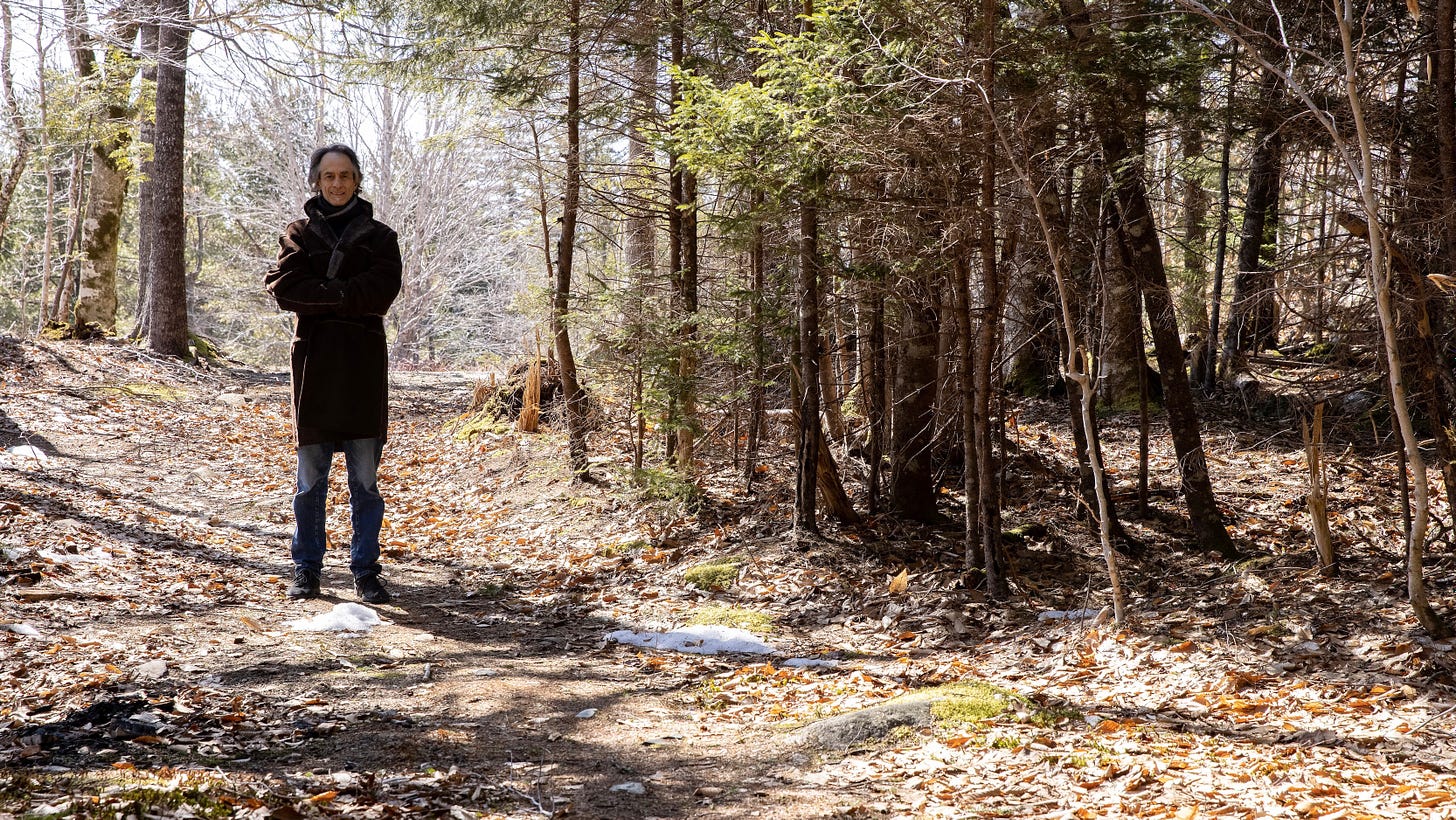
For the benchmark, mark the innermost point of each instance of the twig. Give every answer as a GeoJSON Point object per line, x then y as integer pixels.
{"type": "Point", "coordinates": [1448, 710]}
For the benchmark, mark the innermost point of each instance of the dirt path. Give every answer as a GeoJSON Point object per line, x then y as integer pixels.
{"type": "Point", "coordinates": [164, 500]}
{"type": "Point", "coordinates": [148, 661]}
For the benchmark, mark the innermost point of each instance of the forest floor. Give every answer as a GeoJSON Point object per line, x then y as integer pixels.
{"type": "Point", "coordinates": [150, 665]}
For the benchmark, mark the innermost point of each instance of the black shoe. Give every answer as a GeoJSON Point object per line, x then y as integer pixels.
{"type": "Point", "coordinates": [305, 584]}
{"type": "Point", "coordinates": [370, 590]}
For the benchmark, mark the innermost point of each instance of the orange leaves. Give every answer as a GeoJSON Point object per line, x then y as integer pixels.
{"type": "Point", "coordinates": [900, 584]}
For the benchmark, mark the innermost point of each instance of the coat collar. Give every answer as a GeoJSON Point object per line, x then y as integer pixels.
{"type": "Point", "coordinates": [318, 224]}
{"type": "Point", "coordinates": [318, 221]}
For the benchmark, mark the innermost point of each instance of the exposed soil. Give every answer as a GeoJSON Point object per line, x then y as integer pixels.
{"type": "Point", "coordinates": [156, 529]}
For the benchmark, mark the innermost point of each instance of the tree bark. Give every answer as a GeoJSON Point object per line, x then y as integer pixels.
{"type": "Point", "coordinates": [1252, 313]}
{"type": "Point", "coordinates": [1210, 360]}
{"type": "Point", "coordinates": [1380, 284]}
{"type": "Point", "coordinates": [809, 433]}
{"type": "Point", "coordinates": [96, 300]}
{"type": "Point", "coordinates": [987, 426]}
{"type": "Point", "coordinates": [873, 384]}
{"type": "Point", "coordinates": [642, 214]}
{"type": "Point", "coordinates": [760, 356]}
{"type": "Point", "coordinates": [17, 121]}
{"type": "Point", "coordinates": [912, 478]}
{"type": "Point", "coordinates": [572, 395]}
{"type": "Point", "coordinates": [683, 234]}
{"type": "Point", "coordinates": [168, 331]}
{"type": "Point", "coordinates": [1117, 115]}
{"type": "Point", "coordinates": [146, 190]}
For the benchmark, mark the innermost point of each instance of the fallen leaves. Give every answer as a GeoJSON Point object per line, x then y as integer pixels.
{"type": "Point", "coordinates": [1245, 692]}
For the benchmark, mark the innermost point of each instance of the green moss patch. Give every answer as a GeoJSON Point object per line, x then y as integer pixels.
{"type": "Point", "coordinates": [712, 577]}
{"type": "Point", "coordinates": [473, 425]}
{"type": "Point", "coordinates": [964, 704]}
{"type": "Point", "coordinates": [126, 794]}
{"type": "Point", "coordinates": [732, 616]}
{"type": "Point", "coordinates": [624, 548]}
{"type": "Point", "coordinates": [155, 392]}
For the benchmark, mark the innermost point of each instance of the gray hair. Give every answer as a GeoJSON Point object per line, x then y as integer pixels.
{"type": "Point", "coordinates": [336, 148]}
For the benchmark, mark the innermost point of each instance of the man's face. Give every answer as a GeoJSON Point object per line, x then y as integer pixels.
{"type": "Point", "coordinates": [337, 179]}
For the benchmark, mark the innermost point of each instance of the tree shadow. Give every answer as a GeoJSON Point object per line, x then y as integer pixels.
{"type": "Point", "coordinates": [505, 718]}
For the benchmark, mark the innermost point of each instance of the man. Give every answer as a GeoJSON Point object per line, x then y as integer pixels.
{"type": "Point", "coordinates": [338, 270]}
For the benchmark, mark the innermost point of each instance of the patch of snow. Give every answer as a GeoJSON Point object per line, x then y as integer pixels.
{"type": "Point", "coordinates": [811, 663]}
{"type": "Point", "coordinates": [151, 670]}
{"type": "Point", "coordinates": [697, 640]}
{"type": "Point", "coordinates": [96, 555]}
{"type": "Point", "coordinates": [346, 617]}
{"type": "Point", "coordinates": [22, 456]}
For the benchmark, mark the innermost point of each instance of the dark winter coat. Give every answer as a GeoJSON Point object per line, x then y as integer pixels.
{"type": "Point", "coordinates": [340, 287]}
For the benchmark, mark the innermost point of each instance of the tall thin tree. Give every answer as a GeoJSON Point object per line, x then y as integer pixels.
{"type": "Point", "coordinates": [168, 328]}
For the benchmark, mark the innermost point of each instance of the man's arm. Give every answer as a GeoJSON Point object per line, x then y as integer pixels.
{"type": "Point", "coordinates": [295, 286]}
{"type": "Point", "coordinates": [372, 291]}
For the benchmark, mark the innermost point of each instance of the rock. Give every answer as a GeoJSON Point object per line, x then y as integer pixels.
{"type": "Point", "coordinates": [586, 714]}
{"type": "Point", "coordinates": [1358, 402]}
{"type": "Point", "coordinates": [630, 787]}
{"type": "Point", "coordinates": [846, 731]}
{"type": "Point", "coordinates": [232, 399]}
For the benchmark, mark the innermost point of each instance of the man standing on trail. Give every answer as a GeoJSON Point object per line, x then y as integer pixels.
{"type": "Point", "coordinates": [338, 270]}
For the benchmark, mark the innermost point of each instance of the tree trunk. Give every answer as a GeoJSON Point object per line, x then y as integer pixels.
{"type": "Point", "coordinates": [1119, 368]}
{"type": "Point", "coordinates": [642, 214]}
{"type": "Point", "coordinates": [17, 122]}
{"type": "Point", "coordinates": [1195, 219]}
{"type": "Point", "coordinates": [809, 433]}
{"type": "Point", "coordinates": [572, 395]}
{"type": "Point", "coordinates": [683, 219]}
{"type": "Point", "coordinates": [96, 297]}
{"type": "Point", "coordinates": [873, 385]}
{"type": "Point", "coordinates": [1252, 314]}
{"type": "Point", "coordinates": [1117, 116]}
{"type": "Point", "coordinates": [96, 300]}
{"type": "Point", "coordinates": [1183, 420]}
{"type": "Point", "coordinates": [1380, 285]}
{"type": "Point", "coordinates": [912, 479]}
{"type": "Point", "coordinates": [1209, 361]}
{"type": "Point", "coordinates": [146, 190]}
{"type": "Point", "coordinates": [1076, 366]}
{"type": "Point", "coordinates": [168, 331]}
{"type": "Point", "coordinates": [987, 426]}
{"type": "Point", "coordinates": [760, 355]}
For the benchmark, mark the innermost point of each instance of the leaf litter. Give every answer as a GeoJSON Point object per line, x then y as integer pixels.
{"type": "Point", "coordinates": [148, 662]}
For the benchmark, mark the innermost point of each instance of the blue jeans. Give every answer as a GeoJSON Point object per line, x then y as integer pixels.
{"type": "Point", "coordinates": [361, 457]}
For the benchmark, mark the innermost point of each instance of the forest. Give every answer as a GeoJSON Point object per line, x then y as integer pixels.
{"type": "Point", "coordinates": [979, 298]}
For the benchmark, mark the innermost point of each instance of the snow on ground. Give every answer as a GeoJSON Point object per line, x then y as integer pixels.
{"type": "Point", "coordinates": [711, 640]}
{"type": "Point", "coordinates": [346, 617]}
{"type": "Point", "coordinates": [698, 640]}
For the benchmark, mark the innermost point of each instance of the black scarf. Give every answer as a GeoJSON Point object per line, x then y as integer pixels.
{"type": "Point", "coordinates": [340, 226]}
